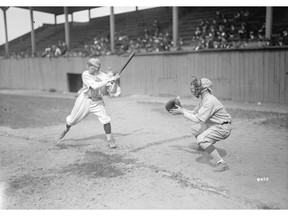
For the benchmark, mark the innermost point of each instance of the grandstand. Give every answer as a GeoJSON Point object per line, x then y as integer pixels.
{"type": "Point", "coordinates": [132, 24]}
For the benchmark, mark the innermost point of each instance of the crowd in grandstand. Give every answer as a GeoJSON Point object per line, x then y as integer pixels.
{"type": "Point", "coordinates": [153, 40]}
{"type": "Point", "coordinates": [55, 50]}
{"type": "Point", "coordinates": [218, 32]}
{"type": "Point", "coordinates": [238, 32]}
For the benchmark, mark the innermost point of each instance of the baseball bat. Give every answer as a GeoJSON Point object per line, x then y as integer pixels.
{"type": "Point", "coordinates": [127, 62]}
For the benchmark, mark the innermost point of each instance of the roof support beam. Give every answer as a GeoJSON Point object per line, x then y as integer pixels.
{"type": "Point", "coordinates": [175, 25]}
{"type": "Point", "coordinates": [4, 9]}
{"type": "Point", "coordinates": [32, 32]}
{"type": "Point", "coordinates": [268, 27]}
{"type": "Point", "coordinates": [67, 30]}
{"type": "Point", "coordinates": [112, 29]}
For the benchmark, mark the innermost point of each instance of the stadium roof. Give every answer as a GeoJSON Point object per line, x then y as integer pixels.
{"type": "Point", "coordinates": [58, 10]}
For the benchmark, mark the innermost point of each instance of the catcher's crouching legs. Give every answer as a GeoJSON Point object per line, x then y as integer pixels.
{"type": "Point", "coordinates": [196, 130]}
{"type": "Point", "coordinates": [212, 151]}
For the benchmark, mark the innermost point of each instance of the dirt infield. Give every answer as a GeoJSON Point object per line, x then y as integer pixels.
{"type": "Point", "coordinates": [154, 166]}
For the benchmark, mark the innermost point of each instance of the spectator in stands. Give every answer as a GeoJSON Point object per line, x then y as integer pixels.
{"type": "Point", "coordinates": [57, 52]}
{"type": "Point", "coordinates": [147, 43]}
{"type": "Point", "coordinates": [285, 37]}
{"type": "Point", "coordinates": [180, 44]}
{"type": "Point", "coordinates": [200, 44]}
{"type": "Point", "coordinates": [53, 48]}
{"type": "Point", "coordinates": [197, 34]}
{"type": "Point", "coordinates": [139, 44]}
{"type": "Point", "coordinates": [242, 32]}
{"type": "Point", "coordinates": [167, 41]}
{"type": "Point", "coordinates": [224, 22]}
{"type": "Point", "coordinates": [132, 47]}
{"type": "Point", "coordinates": [59, 45]}
{"type": "Point", "coordinates": [156, 27]}
{"type": "Point", "coordinates": [246, 16]}
{"type": "Point", "coordinates": [209, 39]}
{"type": "Point", "coordinates": [215, 44]}
{"type": "Point", "coordinates": [218, 17]}
{"type": "Point", "coordinates": [204, 31]}
{"type": "Point", "coordinates": [221, 36]}
{"type": "Point", "coordinates": [261, 32]}
{"type": "Point", "coordinates": [252, 37]}
{"type": "Point", "coordinates": [201, 34]}
{"type": "Point", "coordinates": [95, 48]}
{"type": "Point", "coordinates": [156, 44]}
{"type": "Point", "coordinates": [232, 37]}
{"type": "Point", "coordinates": [283, 41]}
{"type": "Point", "coordinates": [237, 17]}
{"type": "Point", "coordinates": [13, 55]}
{"type": "Point", "coordinates": [212, 30]}
{"type": "Point", "coordinates": [204, 22]}
{"type": "Point", "coordinates": [86, 51]}
{"type": "Point", "coordinates": [212, 36]}
{"type": "Point", "coordinates": [214, 23]}
{"type": "Point", "coordinates": [146, 31]}
{"type": "Point", "coordinates": [63, 48]}
{"type": "Point", "coordinates": [124, 44]}
{"type": "Point", "coordinates": [47, 52]}
{"type": "Point", "coordinates": [104, 46]}
{"type": "Point", "coordinates": [223, 42]}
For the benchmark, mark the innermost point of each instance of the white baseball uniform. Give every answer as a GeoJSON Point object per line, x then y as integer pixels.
{"type": "Point", "coordinates": [215, 122]}
{"type": "Point", "coordinates": [89, 100]}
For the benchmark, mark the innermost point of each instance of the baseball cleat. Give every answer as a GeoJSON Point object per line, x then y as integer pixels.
{"type": "Point", "coordinates": [221, 167]}
{"type": "Point", "coordinates": [111, 144]}
{"type": "Point", "coordinates": [63, 134]}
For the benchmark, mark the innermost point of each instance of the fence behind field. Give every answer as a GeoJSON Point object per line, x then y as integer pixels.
{"type": "Point", "coordinates": [248, 75]}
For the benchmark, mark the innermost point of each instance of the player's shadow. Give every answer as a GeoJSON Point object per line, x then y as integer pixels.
{"type": "Point", "coordinates": [97, 136]}
{"type": "Point", "coordinates": [103, 136]}
{"type": "Point", "coordinates": [204, 157]}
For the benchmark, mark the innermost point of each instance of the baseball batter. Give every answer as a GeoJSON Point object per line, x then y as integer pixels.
{"type": "Point", "coordinates": [90, 99]}
{"type": "Point", "coordinates": [211, 122]}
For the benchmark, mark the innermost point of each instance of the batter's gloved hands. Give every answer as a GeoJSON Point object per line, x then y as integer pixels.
{"type": "Point", "coordinates": [114, 78]}
{"type": "Point", "coordinates": [112, 88]}
{"type": "Point", "coordinates": [117, 76]}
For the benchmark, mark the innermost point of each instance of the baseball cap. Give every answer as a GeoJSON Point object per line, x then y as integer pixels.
{"type": "Point", "coordinates": [206, 83]}
{"type": "Point", "coordinates": [94, 62]}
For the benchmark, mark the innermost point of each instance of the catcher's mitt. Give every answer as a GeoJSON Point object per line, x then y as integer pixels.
{"type": "Point", "coordinates": [171, 104]}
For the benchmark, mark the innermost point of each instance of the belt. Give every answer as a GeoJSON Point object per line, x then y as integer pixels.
{"type": "Point", "coordinates": [225, 123]}
{"type": "Point", "coordinates": [95, 99]}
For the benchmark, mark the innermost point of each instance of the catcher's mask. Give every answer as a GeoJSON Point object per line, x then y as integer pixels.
{"type": "Point", "coordinates": [198, 85]}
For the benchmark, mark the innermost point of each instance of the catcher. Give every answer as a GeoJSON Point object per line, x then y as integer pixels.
{"type": "Point", "coordinates": [90, 99]}
{"type": "Point", "coordinates": [211, 122]}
